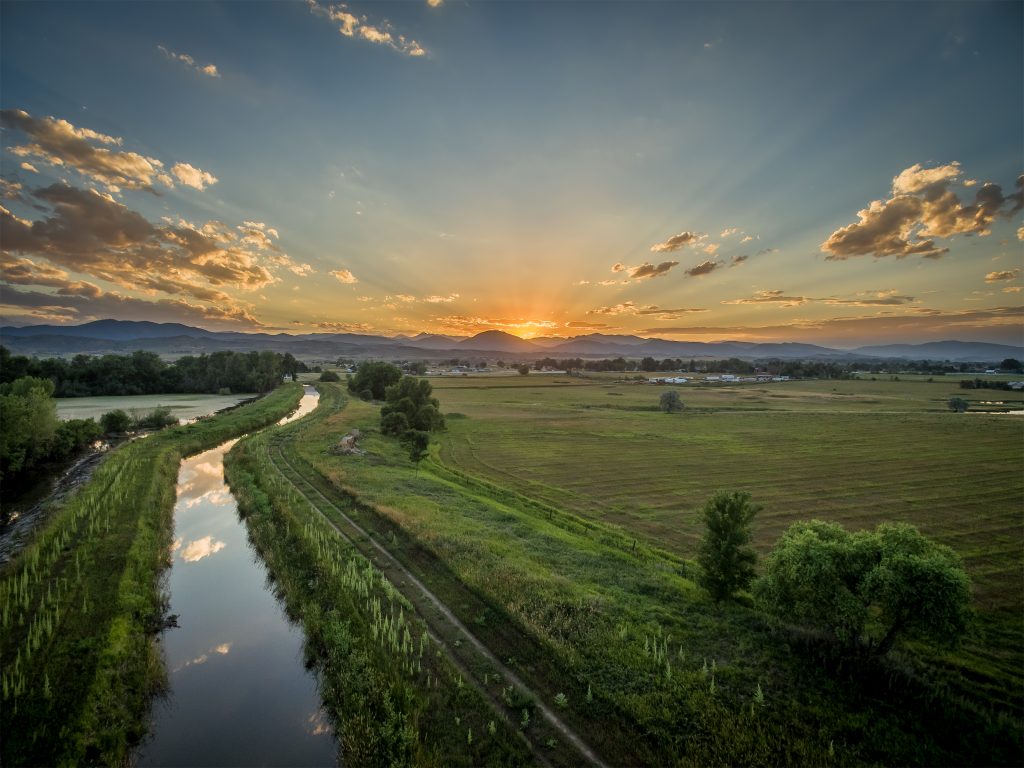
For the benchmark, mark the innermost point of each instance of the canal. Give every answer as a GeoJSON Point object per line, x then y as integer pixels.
{"type": "Point", "coordinates": [239, 693]}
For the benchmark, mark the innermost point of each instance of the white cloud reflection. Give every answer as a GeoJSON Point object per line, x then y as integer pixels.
{"type": "Point", "coordinates": [200, 548]}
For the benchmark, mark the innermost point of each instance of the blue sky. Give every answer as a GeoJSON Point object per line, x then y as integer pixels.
{"type": "Point", "coordinates": [531, 167]}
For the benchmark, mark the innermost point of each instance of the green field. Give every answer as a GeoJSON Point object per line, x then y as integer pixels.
{"type": "Point", "coordinates": [183, 407]}
{"type": "Point", "coordinates": [856, 452]}
{"type": "Point", "coordinates": [557, 515]}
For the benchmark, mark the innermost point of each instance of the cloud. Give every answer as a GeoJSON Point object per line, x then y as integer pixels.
{"type": "Point", "coordinates": [380, 33]}
{"type": "Point", "coordinates": [583, 325]}
{"type": "Point", "coordinates": [64, 145]}
{"type": "Point", "coordinates": [193, 177]}
{"type": "Point", "coordinates": [676, 242]}
{"type": "Point", "coordinates": [646, 270]}
{"type": "Point", "coordinates": [336, 327]}
{"type": "Point", "coordinates": [435, 3]}
{"type": "Point", "coordinates": [1008, 274]}
{"type": "Point", "coordinates": [771, 297]}
{"type": "Point", "coordinates": [704, 268]}
{"type": "Point", "coordinates": [1020, 233]}
{"type": "Point", "coordinates": [344, 276]}
{"type": "Point", "coordinates": [916, 324]}
{"type": "Point", "coordinates": [80, 302]}
{"type": "Point", "coordinates": [476, 324]}
{"type": "Point", "coordinates": [631, 308]}
{"type": "Point", "coordinates": [209, 70]}
{"type": "Point", "coordinates": [728, 231]}
{"type": "Point", "coordinates": [922, 206]}
{"type": "Point", "coordinates": [10, 190]}
{"type": "Point", "coordinates": [440, 299]}
{"type": "Point", "coordinates": [618, 267]}
{"type": "Point", "coordinates": [737, 260]}
{"type": "Point", "coordinates": [711, 248]}
{"type": "Point", "coordinates": [29, 167]}
{"type": "Point", "coordinates": [868, 299]}
{"type": "Point", "coordinates": [90, 233]}
{"type": "Point", "coordinates": [746, 239]}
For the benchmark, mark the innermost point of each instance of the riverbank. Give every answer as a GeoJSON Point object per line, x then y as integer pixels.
{"type": "Point", "coordinates": [80, 605]}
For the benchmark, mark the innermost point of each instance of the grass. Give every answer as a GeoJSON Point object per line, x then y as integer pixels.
{"type": "Point", "coordinates": [606, 615]}
{"type": "Point", "coordinates": [81, 604]}
{"type": "Point", "coordinates": [389, 688]}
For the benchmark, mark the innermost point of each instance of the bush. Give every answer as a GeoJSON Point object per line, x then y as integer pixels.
{"type": "Point", "coordinates": [158, 418]}
{"type": "Point", "coordinates": [115, 422]}
{"type": "Point", "coordinates": [958, 404]}
{"type": "Point", "coordinates": [725, 556]}
{"type": "Point", "coordinates": [329, 376]}
{"type": "Point", "coordinates": [670, 402]}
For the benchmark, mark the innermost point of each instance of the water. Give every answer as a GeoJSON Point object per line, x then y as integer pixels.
{"type": "Point", "coordinates": [239, 693]}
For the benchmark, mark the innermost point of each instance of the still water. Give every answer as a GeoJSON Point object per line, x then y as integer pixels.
{"type": "Point", "coordinates": [239, 694]}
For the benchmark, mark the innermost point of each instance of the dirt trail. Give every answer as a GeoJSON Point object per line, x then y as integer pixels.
{"type": "Point", "coordinates": [435, 619]}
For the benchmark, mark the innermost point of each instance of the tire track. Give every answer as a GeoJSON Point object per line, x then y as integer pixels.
{"type": "Point", "coordinates": [358, 534]}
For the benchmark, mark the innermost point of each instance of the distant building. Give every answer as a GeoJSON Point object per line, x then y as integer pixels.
{"type": "Point", "coordinates": [286, 377]}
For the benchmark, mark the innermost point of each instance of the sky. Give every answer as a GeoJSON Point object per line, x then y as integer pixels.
{"type": "Point", "coordinates": [841, 173]}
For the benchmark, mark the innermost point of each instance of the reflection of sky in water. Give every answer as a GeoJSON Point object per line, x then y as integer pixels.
{"type": "Point", "coordinates": [246, 701]}
{"type": "Point", "coordinates": [306, 405]}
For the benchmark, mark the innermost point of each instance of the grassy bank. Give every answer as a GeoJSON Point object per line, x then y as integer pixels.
{"type": "Point", "coordinates": [389, 688]}
{"type": "Point", "coordinates": [80, 605]}
{"type": "Point", "coordinates": [654, 673]}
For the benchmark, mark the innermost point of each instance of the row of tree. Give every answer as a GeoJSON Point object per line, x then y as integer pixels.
{"type": "Point", "coordinates": [145, 373]}
{"type": "Point", "coordinates": [862, 590]}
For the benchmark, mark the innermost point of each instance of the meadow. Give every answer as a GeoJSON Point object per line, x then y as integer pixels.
{"type": "Point", "coordinates": [558, 516]}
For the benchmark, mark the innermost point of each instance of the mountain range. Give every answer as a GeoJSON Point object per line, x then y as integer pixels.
{"type": "Point", "coordinates": [175, 339]}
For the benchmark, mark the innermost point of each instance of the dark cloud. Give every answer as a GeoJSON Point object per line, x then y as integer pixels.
{"type": "Point", "coordinates": [704, 268]}
{"type": "Point", "coordinates": [646, 270]}
{"type": "Point", "coordinates": [676, 242]}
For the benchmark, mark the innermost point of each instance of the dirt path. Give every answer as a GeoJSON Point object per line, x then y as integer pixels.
{"type": "Point", "coordinates": [414, 590]}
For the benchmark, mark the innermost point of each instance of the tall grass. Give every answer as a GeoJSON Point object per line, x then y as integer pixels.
{"type": "Point", "coordinates": [81, 604]}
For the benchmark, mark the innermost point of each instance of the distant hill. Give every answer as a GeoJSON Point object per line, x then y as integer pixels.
{"type": "Point", "coordinates": [175, 339]}
{"type": "Point", "coordinates": [110, 330]}
{"type": "Point", "coordinates": [955, 351]}
{"type": "Point", "coordinates": [498, 341]}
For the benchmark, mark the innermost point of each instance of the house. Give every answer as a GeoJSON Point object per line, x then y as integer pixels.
{"type": "Point", "coordinates": [286, 378]}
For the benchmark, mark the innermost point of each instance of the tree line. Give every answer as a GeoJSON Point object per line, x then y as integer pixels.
{"type": "Point", "coordinates": [145, 373]}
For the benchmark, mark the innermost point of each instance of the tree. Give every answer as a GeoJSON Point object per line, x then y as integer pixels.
{"type": "Point", "coordinates": [1011, 364]}
{"type": "Point", "coordinates": [868, 588]}
{"type": "Point", "coordinates": [418, 443]}
{"type": "Point", "coordinates": [523, 369]}
{"type": "Point", "coordinates": [958, 404]}
{"type": "Point", "coordinates": [725, 557]}
{"type": "Point", "coordinates": [670, 402]}
{"type": "Point", "coordinates": [329, 376]}
{"type": "Point", "coordinates": [375, 378]}
{"type": "Point", "coordinates": [411, 397]}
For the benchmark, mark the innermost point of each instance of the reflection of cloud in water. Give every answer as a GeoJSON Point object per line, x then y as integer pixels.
{"type": "Point", "coordinates": [201, 474]}
{"type": "Point", "coordinates": [200, 548]}
{"type": "Point", "coordinates": [222, 649]}
{"type": "Point", "coordinates": [177, 544]}
{"type": "Point", "coordinates": [218, 498]}
{"type": "Point", "coordinates": [318, 723]}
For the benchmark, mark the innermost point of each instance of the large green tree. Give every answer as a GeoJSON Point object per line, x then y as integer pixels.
{"type": "Point", "coordinates": [28, 423]}
{"type": "Point", "coordinates": [372, 379]}
{"type": "Point", "coordinates": [725, 555]}
{"type": "Point", "coordinates": [866, 589]}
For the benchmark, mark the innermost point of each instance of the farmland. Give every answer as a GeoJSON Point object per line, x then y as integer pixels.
{"type": "Point", "coordinates": [558, 515]}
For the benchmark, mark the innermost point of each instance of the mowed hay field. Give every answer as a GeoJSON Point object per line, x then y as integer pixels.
{"type": "Point", "coordinates": [857, 452]}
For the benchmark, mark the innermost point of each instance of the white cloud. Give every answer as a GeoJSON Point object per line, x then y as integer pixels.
{"type": "Point", "coordinates": [209, 70]}
{"type": "Point", "coordinates": [201, 548]}
{"type": "Point", "coordinates": [379, 33]}
{"type": "Point", "coordinates": [345, 276]}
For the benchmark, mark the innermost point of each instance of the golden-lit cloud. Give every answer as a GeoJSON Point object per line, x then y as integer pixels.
{"type": "Point", "coordinates": [677, 242]}
{"type": "Point", "coordinates": [210, 70]}
{"type": "Point", "coordinates": [91, 233]}
{"type": "Point", "coordinates": [640, 310]}
{"type": "Point", "coordinates": [64, 145]}
{"type": "Point", "coordinates": [1006, 274]}
{"type": "Point", "coordinates": [471, 324]}
{"type": "Point", "coordinates": [193, 177]}
{"type": "Point", "coordinates": [344, 276]}
{"type": "Point", "coordinates": [922, 206]}
{"type": "Point", "coordinates": [338, 327]}
{"type": "Point", "coordinates": [202, 548]}
{"type": "Point", "coordinates": [916, 323]}
{"type": "Point", "coordinates": [29, 167]}
{"type": "Point", "coordinates": [888, 298]}
{"type": "Point", "coordinates": [728, 232]}
{"type": "Point", "coordinates": [352, 26]}
{"type": "Point", "coordinates": [10, 190]}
